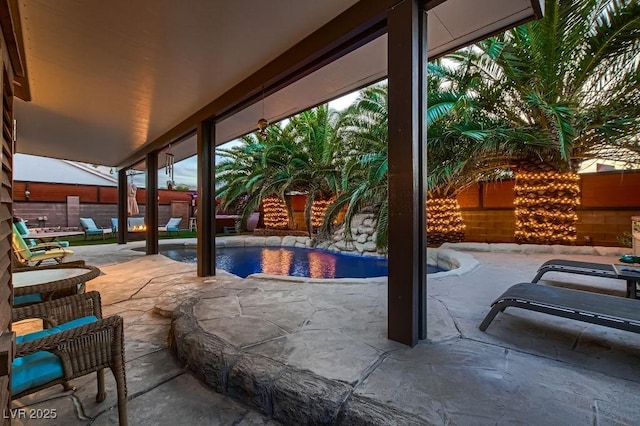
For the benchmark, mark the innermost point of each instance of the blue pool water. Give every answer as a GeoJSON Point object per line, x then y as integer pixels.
{"type": "Point", "coordinates": [299, 262]}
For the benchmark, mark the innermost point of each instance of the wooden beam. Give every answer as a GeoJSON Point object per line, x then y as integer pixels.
{"type": "Point", "coordinates": [122, 206]}
{"type": "Point", "coordinates": [206, 216]}
{"type": "Point", "coordinates": [151, 207]}
{"type": "Point", "coordinates": [12, 32]}
{"type": "Point", "coordinates": [407, 172]}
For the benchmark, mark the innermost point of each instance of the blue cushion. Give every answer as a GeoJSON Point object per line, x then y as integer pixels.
{"type": "Point", "coordinates": [78, 322]}
{"type": "Point", "coordinates": [22, 227]}
{"type": "Point", "coordinates": [27, 298]}
{"type": "Point", "coordinates": [49, 331]}
{"type": "Point", "coordinates": [33, 370]}
{"type": "Point", "coordinates": [88, 223]}
{"type": "Point", "coordinates": [114, 224]}
{"type": "Point", "coordinates": [173, 229]}
{"type": "Point", "coordinates": [41, 367]}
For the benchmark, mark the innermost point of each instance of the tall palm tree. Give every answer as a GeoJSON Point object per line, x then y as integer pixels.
{"type": "Point", "coordinates": [316, 158]}
{"type": "Point", "coordinates": [252, 171]}
{"type": "Point", "coordinates": [464, 145]}
{"type": "Point", "coordinates": [303, 155]}
{"type": "Point", "coordinates": [571, 79]}
{"type": "Point", "coordinates": [363, 130]}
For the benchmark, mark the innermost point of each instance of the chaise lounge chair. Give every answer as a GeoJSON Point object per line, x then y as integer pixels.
{"type": "Point", "coordinates": [89, 227]}
{"type": "Point", "coordinates": [595, 308]}
{"type": "Point", "coordinates": [171, 226]}
{"type": "Point", "coordinates": [603, 270]}
{"type": "Point", "coordinates": [21, 226]}
{"type": "Point", "coordinates": [28, 255]}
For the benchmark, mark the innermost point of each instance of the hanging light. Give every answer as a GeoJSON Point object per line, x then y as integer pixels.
{"type": "Point", "coordinates": [263, 123]}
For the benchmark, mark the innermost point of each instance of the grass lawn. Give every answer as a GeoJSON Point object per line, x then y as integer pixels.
{"type": "Point", "coordinates": [80, 241]}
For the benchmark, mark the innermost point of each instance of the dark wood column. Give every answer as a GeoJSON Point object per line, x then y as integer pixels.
{"type": "Point", "coordinates": [206, 198]}
{"type": "Point", "coordinates": [122, 206]}
{"type": "Point", "coordinates": [407, 171]}
{"type": "Point", "coordinates": [151, 207]}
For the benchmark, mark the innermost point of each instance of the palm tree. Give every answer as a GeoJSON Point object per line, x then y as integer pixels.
{"type": "Point", "coordinates": [569, 81]}
{"type": "Point", "coordinates": [316, 159]}
{"type": "Point", "coordinates": [303, 155]}
{"type": "Point", "coordinates": [363, 130]}
{"type": "Point", "coordinates": [253, 171]}
{"type": "Point", "coordinates": [464, 145]}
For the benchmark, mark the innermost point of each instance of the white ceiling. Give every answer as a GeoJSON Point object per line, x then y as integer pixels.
{"type": "Point", "coordinates": [108, 77]}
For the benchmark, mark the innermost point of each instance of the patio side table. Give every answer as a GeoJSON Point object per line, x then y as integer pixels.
{"type": "Point", "coordinates": [49, 281]}
{"type": "Point", "coordinates": [632, 275]}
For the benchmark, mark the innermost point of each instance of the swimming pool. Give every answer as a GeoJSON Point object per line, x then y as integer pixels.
{"type": "Point", "coordinates": [294, 261]}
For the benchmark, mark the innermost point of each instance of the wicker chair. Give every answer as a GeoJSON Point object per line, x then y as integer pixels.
{"type": "Point", "coordinates": [84, 349]}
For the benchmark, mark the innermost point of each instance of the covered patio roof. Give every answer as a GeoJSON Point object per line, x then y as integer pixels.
{"type": "Point", "coordinates": [110, 82]}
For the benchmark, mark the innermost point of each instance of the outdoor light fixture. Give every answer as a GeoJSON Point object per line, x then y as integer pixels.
{"type": "Point", "coordinates": [263, 123]}
{"type": "Point", "coordinates": [275, 213]}
{"type": "Point", "coordinates": [444, 221]}
{"type": "Point", "coordinates": [262, 127]}
{"type": "Point", "coordinates": [27, 194]}
{"type": "Point", "coordinates": [318, 211]}
{"type": "Point", "coordinates": [546, 206]}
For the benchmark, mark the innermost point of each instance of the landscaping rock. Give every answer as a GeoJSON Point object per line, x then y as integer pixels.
{"type": "Point", "coordinates": [302, 240]}
{"type": "Point", "coordinates": [340, 245]}
{"type": "Point", "coordinates": [369, 246]}
{"type": "Point", "coordinates": [234, 242]}
{"type": "Point", "coordinates": [362, 238]}
{"type": "Point", "coordinates": [289, 241]}
{"type": "Point", "coordinates": [359, 247]}
{"type": "Point", "coordinates": [273, 241]}
{"type": "Point", "coordinates": [254, 241]}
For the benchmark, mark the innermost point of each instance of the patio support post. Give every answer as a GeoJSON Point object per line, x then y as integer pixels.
{"type": "Point", "coordinates": [407, 171]}
{"type": "Point", "coordinates": [206, 216]}
{"type": "Point", "coordinates": [151, 207]}
{"type": "Point", "coordinates": [122, 206]}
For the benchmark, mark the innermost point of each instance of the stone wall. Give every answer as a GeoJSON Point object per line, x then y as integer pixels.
{"type": "Point", "coordinates": [600, 227]}
{"type": "Point", "coordinates": [363, 238]}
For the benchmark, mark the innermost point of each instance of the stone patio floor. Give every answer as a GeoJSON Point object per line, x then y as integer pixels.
{"type": "Point", "coordinates": [318, 353]}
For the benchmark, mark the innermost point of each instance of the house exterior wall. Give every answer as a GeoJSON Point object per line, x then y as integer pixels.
{"type": "Point", "coordinates": [7, 341]}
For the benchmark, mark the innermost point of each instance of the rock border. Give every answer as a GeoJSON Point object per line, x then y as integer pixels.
{"type": "Point", "coordinates": [289, 395]}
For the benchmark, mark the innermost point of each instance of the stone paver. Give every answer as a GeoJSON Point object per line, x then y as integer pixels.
{"type": "Point", "coordinates": [304, 352]}
{"type": "Point", "coordinates": [529, 368]}
{"type": "Point", "coordinates": [160, 390]}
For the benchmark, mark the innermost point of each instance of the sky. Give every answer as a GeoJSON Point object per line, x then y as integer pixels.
{"type": "Point", "coordinates": [186, 171]}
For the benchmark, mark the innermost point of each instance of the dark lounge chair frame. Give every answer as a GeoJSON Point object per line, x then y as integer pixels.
{"type": "Point", "coordinates": [586, 268]}
{"type": "Point", "coordinates": [594, 308]}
